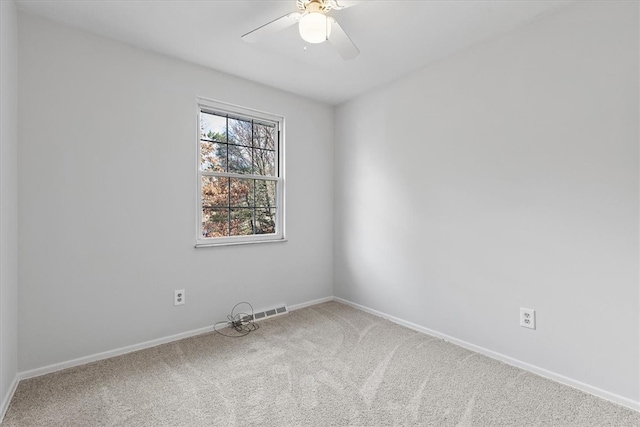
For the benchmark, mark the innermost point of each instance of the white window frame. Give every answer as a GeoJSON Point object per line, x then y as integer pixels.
{"type": "Point", "coordinates": [222, 108]}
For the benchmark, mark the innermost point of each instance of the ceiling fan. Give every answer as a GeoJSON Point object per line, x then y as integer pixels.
{"type": "Point", "coordinates": [314, 24]}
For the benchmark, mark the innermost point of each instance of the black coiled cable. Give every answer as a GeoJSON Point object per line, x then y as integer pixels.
{"type": "Point", "coordinates": [242, 323]}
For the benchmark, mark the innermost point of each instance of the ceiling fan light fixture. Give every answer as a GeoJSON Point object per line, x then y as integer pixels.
{"type": "Point", "coordinates": [314, 27]}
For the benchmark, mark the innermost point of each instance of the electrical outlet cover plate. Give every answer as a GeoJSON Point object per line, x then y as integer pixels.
{"type": "Point", "coordinates": [178, 297]}
{"type": "Point", "coordinates": [527, 318]}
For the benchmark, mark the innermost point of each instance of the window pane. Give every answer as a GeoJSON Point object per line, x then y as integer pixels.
{"type": "Point", "coordinates": [264, 162]}
{"type": "Point", "coordinates": [215, 222]}
{"type": "Point", "coordinates": [265, 221]}
{"type": "Point", "coordinates": [264, 136]}
{"type": "Point", "coordinates": [241, 149]}
{"type": "Point", "coordinates": [265, 193]}
{"type": "Point", "coordinates": [215, 191]}
{"type": "Point", "coordinates": [241, 192]}
{"type": "Point", "coordinates": [241, 222]}
{"type": "Point", "coordinates": [213, 156]}
{"type": "Point", "coordinates": [213, 127]}
{"type": "Point", "coordinates": [240, 132]}
{"type": "Point", "coordinates": [239, 159]}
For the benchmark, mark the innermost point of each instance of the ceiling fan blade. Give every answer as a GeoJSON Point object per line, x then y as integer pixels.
{"type": "Point", "coordinates": [343, 4]}
{"type": "Point", "coordinates": [272, 27]}
{"type": "Point", "coordinates": [341, 41]}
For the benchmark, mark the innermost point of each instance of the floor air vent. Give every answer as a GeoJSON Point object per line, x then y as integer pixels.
{"type": "Point", "coordinates": [261, 315]}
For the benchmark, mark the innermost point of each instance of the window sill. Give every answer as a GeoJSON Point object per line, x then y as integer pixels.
{"type": "Point", "coordinates": [254, 242]}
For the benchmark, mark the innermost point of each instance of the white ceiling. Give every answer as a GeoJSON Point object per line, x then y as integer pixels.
{"type": "Point", "coordinates": [395, 37]}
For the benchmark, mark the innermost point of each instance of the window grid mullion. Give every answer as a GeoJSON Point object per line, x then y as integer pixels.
{"type": "Point", "coordinates": [228, 181]}
{"type": "Point", "coordinates": [253, 163]}
{"type": "Point", "coordinates": [240, 176]}
{"type": "Point", "coordinates": [255, 187]}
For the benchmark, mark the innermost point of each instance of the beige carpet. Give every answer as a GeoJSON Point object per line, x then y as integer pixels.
{"type": "Point", "coordinates": [327, 365]}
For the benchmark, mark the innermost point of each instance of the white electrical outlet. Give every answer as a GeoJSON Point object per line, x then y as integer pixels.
{"type": "Point", "coordinates": [527, 318]}
{"type": "Point", "coordinates": [178, 297]}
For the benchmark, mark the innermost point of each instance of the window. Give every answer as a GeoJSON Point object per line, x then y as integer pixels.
{"type": "Point", "coordinates": [240, 179]}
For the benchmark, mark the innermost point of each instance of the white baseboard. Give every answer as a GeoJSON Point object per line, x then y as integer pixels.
{"type": "Point", "coordinates": [111, 353]}
{"type": "Point", "coordinates": [135, 347]}
{"type": "Point", "coordinates": [310, 303]}
{"type": "Point", "coordinates": [7, 399]}
{"type": "Point", "coordinates": [498, 356]}
{"type": "Point", "coordinates": [612, 397]}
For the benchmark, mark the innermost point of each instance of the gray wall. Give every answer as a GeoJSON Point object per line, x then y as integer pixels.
{"type": "Point", "coordinates": [8, 198]}
{"type": "Point", "coordinates": [505, 176]}
{"type": "Point", "coordinates": [108, 193]}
